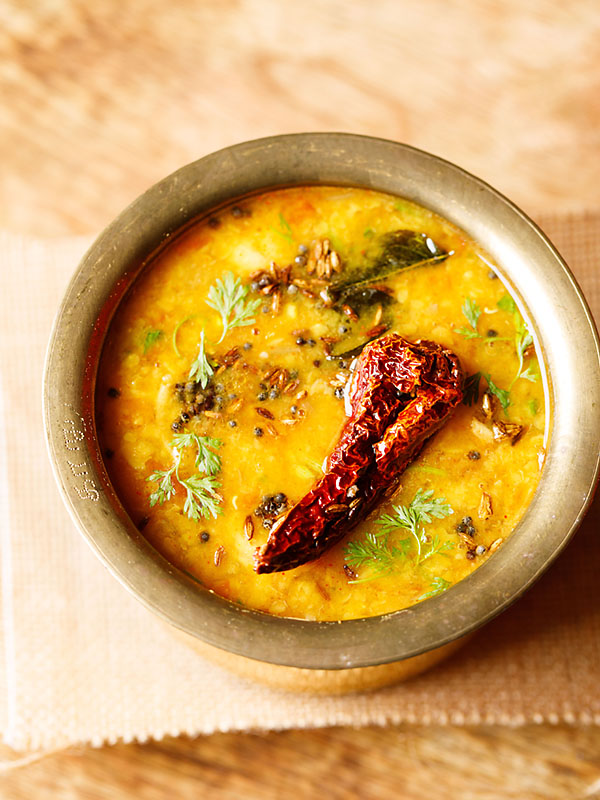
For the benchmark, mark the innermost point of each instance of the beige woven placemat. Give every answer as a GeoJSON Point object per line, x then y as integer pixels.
{"type": "Point", "coordinates": [84, 662]}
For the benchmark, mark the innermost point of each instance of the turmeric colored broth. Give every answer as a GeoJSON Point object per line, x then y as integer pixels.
{"type": "Point", "coordinates": [154, 339]}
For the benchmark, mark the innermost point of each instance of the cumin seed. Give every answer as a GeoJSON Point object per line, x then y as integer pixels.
{"type": "Point", "coordinates": [335, 508]}
{"type": "Point", "coordinates": [290, 387]}
{"type": "Point", "coordinates": [350, 312]}
{"type": "Point", "coordinates": [322, 591]}
{"type": "Point", "coordinates": [264, 412]}
{"type": "Point", "coordinates": [485, 506]}
{"type": "Point", "coordinates": [376, 331]}
{"type": "Point", "coordinates": [230, 357]}
{"type": "Point", "coordinates": [276, 304]}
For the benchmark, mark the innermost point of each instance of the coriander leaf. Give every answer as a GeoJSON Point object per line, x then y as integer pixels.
{"type": "Point", "coordinates": [468, 333]}
{"type": "Point", "coordinates": [176, 331]}
{"type": "Point", "coordinates": [368, 233]}
{"type": "Point", "coordinates": [533, 406]}
{"type": "Point", "coordinates": [427, 506]}
{"type": "Point", "coordinates": [438, 585]}
{"type": "Point", "coordinates": [422, 509]}
{"type": "Point", "coordinates": [472, 312]}
{"type": "Point", "coordinates": [503, 395]}
{"type": "Point", "coordinates": [165, 489]}
{"type": "Point", "coordinates": [285, 225]}
{"type": "Point", "coordinates": [374, 552]}
{"type": "Point", "coordinates": [373, 547]}
{"type": "Point", "coordinates": [202, 498]}
{"type": "Point", "coordinates": [152, 336]}
{"type": "Point", "coordinates": [206, 459]}
{"type": "Point", "coordinates": [471, 389]}
{"type": "Point", "coordinates": [402, 518]}
{"type": "Point", "coordinates": [402, 547]}
{"type": "Point", "coordinates": [201, 371]}
{"type": "Point", "coordinates": [523, 338]}
{"type": "Point", "coordinates": [529, 374]}
{"type": "Point", "coordinates": [506, 303]}
{"type": "Point", "coordinates": [284, 229]}
{"type": "Point", "coordinates": [228, 297]}
{"type": "Point", "coordinates": [436, 546]}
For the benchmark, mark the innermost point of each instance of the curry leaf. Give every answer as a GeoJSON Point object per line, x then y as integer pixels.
{"type": "Point", "coordinates": [391, 253]}
{"type": "Point", "coordinates": [471, 389]}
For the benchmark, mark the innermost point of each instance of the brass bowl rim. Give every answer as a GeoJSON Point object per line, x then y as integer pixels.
{"type": "Point", "coordinates": [529, 264]}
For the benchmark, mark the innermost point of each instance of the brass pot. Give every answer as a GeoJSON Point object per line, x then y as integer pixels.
{"type": "Point", "coordinates": [353, 653]}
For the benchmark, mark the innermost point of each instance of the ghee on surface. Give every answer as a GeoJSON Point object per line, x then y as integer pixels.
{"type": "Point", "coordinates": [168, 301]}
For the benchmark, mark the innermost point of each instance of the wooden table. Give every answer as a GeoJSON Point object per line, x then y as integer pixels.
{"type": "Point", "coordinates": [99, 100]}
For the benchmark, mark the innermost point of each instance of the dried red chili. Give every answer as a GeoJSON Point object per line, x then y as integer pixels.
{"type": "Point", "coordinates": [400, 394]}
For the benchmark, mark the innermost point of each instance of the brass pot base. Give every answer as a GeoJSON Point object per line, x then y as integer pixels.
{"type": "Point", "coordinates": [324, 681]}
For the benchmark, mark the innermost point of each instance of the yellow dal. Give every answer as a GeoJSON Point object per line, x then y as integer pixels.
{"type": "Point", "coordinates": [136, 426]}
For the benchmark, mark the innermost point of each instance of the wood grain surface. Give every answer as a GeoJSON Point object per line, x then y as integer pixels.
{"type": "Point", "coordinates": [411, 763]}
{"type": "Point", "coordinates": [101, 99]}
